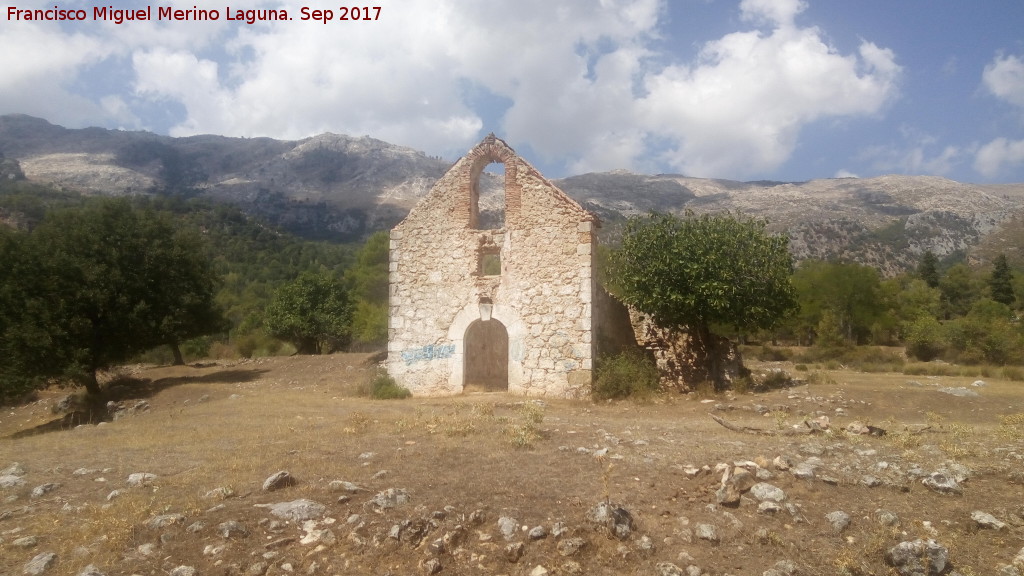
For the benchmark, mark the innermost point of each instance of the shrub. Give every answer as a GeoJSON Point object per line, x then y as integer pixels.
{"type": "Point", "coordinates": [629, 374]}
{"type": "Point", "coordinates": [1013, 373]}
{"type": "Point", "coordinates": [769, 353]}
{"type": "Point", "coordinates": [776, 379]}
{"type": "Point", "coordinates": [384, 387]}
{"type": "Point", "coordinates": [925, 339]}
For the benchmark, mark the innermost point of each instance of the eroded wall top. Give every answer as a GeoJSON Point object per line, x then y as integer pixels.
{"type": "Point", "coordinates": [530, 199]}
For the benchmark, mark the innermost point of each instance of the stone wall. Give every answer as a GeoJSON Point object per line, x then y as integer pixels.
{"type": "Point", "coordinates": [682, 359]}
{"type": "Point", "coordinates": [542, 296]}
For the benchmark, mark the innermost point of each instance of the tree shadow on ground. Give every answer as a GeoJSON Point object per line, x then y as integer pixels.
{"type": "Point", "coordinates": [83, 409]}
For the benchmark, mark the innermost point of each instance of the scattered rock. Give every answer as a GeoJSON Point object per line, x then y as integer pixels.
{"type": "Point", "coordinates": [388, 499]}
{"type": "Point", "coordinates": [668, 569]}
{"type": "Point", "coordinates": [119, 410]}
{"type": "Point", "coordinates": [431, 566]}
{"type": "Point", "coordinates": [763, 492]}
{"type": "Point", "coordinates": [978, 383]}
{"type": "Point", "coordinates": [147, 549]}
{"type": "Point", "coordinates": [65, 404]}
{"type": "Point", "coordinates": [164, 520]}
{"type": "Point", "coordinates": [508, 527]}
{"type": "Point", "coordinates": [617, 519]}
{"type": "Point", "coordinates": [44, 489]}
{"type": "Point", "coordinates": [232, 529]}
{"type": "Point", "coordinates": [514, 551]}
{"type": "Point", "coordinates": [959, 391]}
{"type": "Point", "coordinates": [728, 495]}
{"type": "Point", "coordinates": [91, 570]}
{"type": "Point", "coordinates": [11, 481]}
{"type": "Point", "coordinates": [343, 486]}
{"type": "Point", "coordinates": [942, 482]}
{"type": "Point", "coordinates": [571, 546]}
{"type": "Point", "coordinates": [886, 518]}
{"type": "Point", "coordinates": [221, 493]}
{"type": "Point", "coordinates": [316, 535]}
{"type": "Point", "coordinates": [297, 510]}
{"type": "Point", "coordinates": [870, 481]}
{"type": "Point", "coordinates": [537, 533]}
{"type": "Point", "coordinates": [539, 571]}
{"type": "Point", "coordinates": [25, 542]}
{"type": "Point", "coordinates": [918, 558]}
{"type": "Point", "coordinates": [139, 479]}
{"type": "Point", "coordinates": [184, 571]}
{"type": "Point", "coordinates": [986, 520]}
{"type": "Point", "coordinates": [40, 563]}
{"type": "Point", "coordinates": [768, 507]}
{"type": "Point", "coordinates": [839, 520]}
{"type": "Point", "coordinates": [707, 532]}
{"type": "Point", "coordinates": [278, 480]}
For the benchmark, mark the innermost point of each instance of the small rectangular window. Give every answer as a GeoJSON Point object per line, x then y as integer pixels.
{"type": "Point", "coordinates": [490, 264]}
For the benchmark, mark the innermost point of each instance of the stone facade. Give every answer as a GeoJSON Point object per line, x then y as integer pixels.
{"type": "Point", "coordinates": [508, 308]}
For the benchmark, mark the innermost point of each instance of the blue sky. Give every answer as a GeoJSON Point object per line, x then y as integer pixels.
{"type": "Point", "coordinates": [740, 89]}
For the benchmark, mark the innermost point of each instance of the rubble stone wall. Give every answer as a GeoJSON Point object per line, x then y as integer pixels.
{"type": "Point", "coordinates": [543, 295]}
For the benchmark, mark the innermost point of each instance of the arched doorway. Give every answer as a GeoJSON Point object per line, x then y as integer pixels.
{"type": "Point", "coordinates": [486, 355]}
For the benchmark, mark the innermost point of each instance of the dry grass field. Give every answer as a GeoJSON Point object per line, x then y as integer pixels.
{"type": "Point", "coordinates": [213, 433]}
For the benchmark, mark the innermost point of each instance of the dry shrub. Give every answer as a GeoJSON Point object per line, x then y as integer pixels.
{"type": "Point", "coordinates": [630, 374]}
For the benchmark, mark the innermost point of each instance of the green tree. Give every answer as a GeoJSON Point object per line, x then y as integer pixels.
{"type": "Point", "coordinates": [368, 279]}
{"type": "Point", "coordinates": [313, 313]}
{"type": "Point", "coordinates": [959, 290]}
{"type": "Point", "coordinates": [185, 292]}
{"type": "Point", "coordinates": [851, 292]}
{"type": "Point", "coordinates": [985, 334]}
{"type": "Point", "coordinates": [928, 269]}
{"type": "Point", "coordinates": [704, 272]}
{"type": "Point", "coordinates": [1000, 283]}
{"type": "Point", "coordinates": [100, 288]}
{"type": "Point", "coordinates": [924, 338]}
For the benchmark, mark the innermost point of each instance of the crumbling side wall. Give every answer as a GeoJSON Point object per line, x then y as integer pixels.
{"type": "Point", "coordinates": [682, 362]}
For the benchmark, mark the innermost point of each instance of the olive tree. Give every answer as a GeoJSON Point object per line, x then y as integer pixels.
{"type": "Point", "coordinates": [702, 273]}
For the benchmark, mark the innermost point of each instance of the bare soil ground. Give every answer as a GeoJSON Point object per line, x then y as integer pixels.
{"type": "Point", "coordinates": [468, 461]}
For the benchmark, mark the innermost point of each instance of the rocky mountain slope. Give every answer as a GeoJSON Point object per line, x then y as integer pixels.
{"type": "Point", "coordinates": [339, 187]}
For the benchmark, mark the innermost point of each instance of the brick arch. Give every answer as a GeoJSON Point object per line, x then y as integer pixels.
{"type": "Point", "coordinates": [491, 150]}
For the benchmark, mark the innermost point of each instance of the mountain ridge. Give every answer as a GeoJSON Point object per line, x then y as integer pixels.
{"type": "Point", "coordinates": [339, 187]}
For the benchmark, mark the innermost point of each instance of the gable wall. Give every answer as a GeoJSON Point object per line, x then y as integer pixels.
{"type": "Point", "coordinates": [543, 295]}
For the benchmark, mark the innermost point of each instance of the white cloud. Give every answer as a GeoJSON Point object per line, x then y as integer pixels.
{"type": "Point", "coordinates": [778, 12]}
{"type": "Point", "coordinates": [584, 86]}
{"type": "Point", "coordinates": [39, 81]}
{"type": "Point", "coordinates": [998, 155]}
{"type": "Point", "coordinates": [1004, 77]}
{"type": "Point", "coordinates": [915, 158]}
{"type": "Point", "coordinates": [740, 109]}
{"type": "Point", "coordinates": [844, 173]}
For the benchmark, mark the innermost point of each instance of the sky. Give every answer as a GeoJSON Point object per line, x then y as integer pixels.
{"type": "Point", "coordinates": [786, 90]}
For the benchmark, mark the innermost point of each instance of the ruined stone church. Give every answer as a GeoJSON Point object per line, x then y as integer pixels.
{"type": "Point", "coordinates": [509, 308]}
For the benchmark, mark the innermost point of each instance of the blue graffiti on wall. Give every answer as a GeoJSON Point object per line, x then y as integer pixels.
{"type": "Point", "coordinates": [428, 352]}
